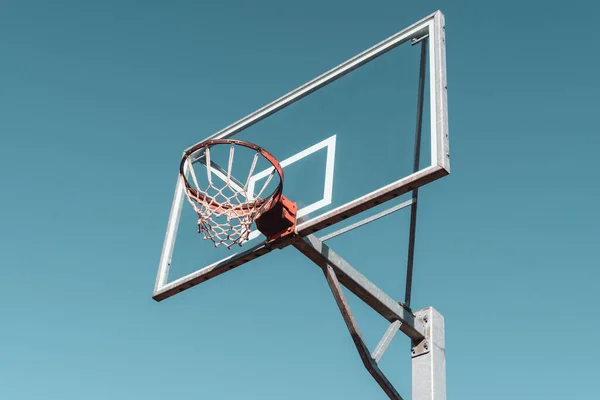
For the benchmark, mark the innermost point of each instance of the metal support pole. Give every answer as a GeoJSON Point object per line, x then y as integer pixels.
{"type": "Point", "coordinates": [429, 358]}
{"type": "Point", "coordinates": [415, 192]}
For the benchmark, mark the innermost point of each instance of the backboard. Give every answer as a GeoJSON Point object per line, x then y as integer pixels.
{"type": "Point", "coordinates": [349, 141]}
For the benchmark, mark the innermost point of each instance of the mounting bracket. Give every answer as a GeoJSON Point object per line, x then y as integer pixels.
{"type": "Point", "coordinates": [425, 328]}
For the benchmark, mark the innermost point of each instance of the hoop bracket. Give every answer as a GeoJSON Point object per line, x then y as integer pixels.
{"type": "Point", "coordinates": [279, 221]}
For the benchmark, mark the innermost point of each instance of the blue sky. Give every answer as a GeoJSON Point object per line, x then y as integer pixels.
{"type": "Point", "coordinates": [97, 101]}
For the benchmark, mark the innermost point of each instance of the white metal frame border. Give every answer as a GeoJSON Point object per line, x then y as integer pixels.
{"type": "Point", "coordinates": [434, 26]}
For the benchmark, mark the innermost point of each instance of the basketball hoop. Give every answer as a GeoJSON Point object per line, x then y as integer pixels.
{"type": "Point", "coordinates": [227, 211]}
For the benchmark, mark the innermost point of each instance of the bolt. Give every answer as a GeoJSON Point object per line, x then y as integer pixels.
{"type": "Point", "coordinates": [425, 346]}
{"type": "Point", "coordinates": [413, 350]}
{"type": "Point", "coordinates": [425, 319]}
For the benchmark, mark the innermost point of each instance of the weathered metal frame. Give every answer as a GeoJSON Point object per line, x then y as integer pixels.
{"type": "Point", "coordinates": [428, 365]}
{"type": "Point", "coordinates": [433, 27]}
{"type": "Point", "coordinates": [319, 253]}
{"type": "Point", "coordinates": [425, 328]}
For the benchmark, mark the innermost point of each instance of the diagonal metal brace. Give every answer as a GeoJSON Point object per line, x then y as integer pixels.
{"type": "Point", "coordinates": [369, 363]}
{"type": "Point", "coordinates": [385, 341]}
{"type": "Point", "coordinates": [377, 299]}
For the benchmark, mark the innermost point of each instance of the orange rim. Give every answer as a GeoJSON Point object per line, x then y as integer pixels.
{"type": "Point", "coordinates": [275, 196]}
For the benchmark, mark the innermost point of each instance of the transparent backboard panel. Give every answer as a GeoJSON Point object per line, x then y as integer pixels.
{"type": "Point", "coordinates": [341, 142]}
{"type": "Point", "coordinates": [344, 138]}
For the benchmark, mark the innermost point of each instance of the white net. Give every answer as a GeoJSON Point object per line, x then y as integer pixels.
{"type": "Point", "coordinates": [226, 209]}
